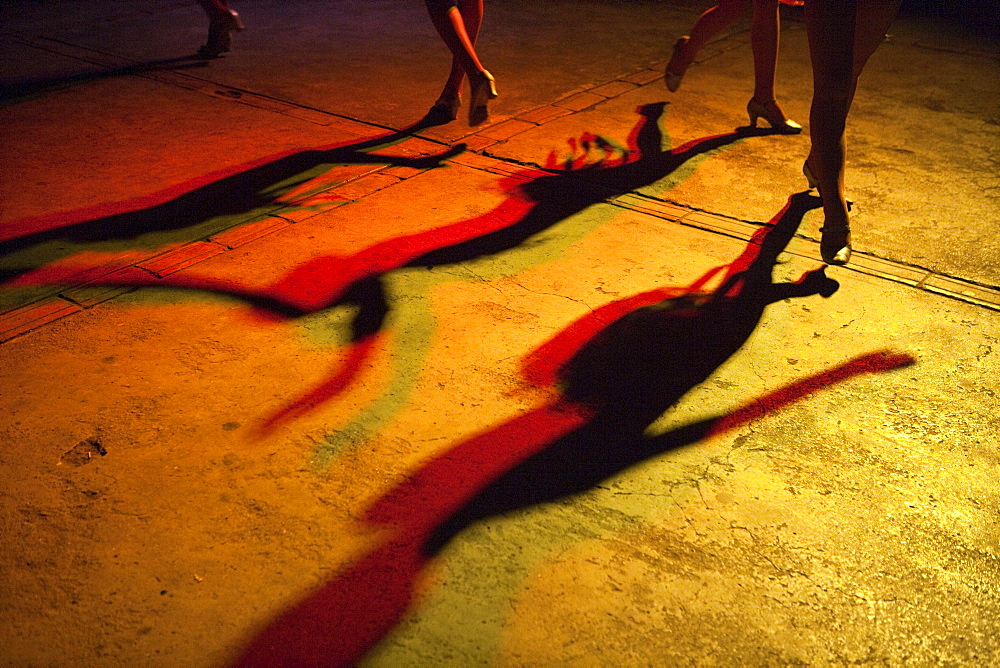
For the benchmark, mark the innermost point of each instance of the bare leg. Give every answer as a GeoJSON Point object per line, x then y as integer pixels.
{"type": "Point", "coordinates": [708, 25]}
{"type": "Point", "coordinates": [842, 34]}
{"type": "Point", "coordinates": [764, 32]}
{"type": "Point", "coordinates": [830, 27]}
{"type": "Point", "coordinates": [764, 38]}
{"type": "Point", "coordinates": [214, 7]}
{"type": "Point", "coordinates": [873, 20]}
{"type": "Point", "coordinates": [471, 14]}
{"type": "Point", "coordinates": [459, 28]}
{"type": "Point", "coordinates": [764, 42]}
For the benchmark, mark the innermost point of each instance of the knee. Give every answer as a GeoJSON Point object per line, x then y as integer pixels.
{"type": "Point", "coordinates": [833, 81]}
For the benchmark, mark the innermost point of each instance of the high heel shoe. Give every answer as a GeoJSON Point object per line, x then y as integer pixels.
{"type": "Point", "coordinates": [835, 245]}
{"type": "Point", "coordinates": [810, 177]}
{"type": "Point", "coordinates": [771, 113]}
{"type": "Point", "coordinates": [445, 110]}
{"type": "Point", "coordinates": [231, 21]}
{"type": "Point", "coordinates": [483, 90]}
{"type": "Point", "coordinates": [220, 31]}
{"type": "Point", "coordinates": [671, 77]}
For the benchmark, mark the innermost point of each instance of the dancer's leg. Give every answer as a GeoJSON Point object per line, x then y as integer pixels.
{"type": "Point", "coordinates": [450, 23]}
{"type": "Point", "coordinates": [471, 12]}
{"type": "Point", "coordinates": [214, 7]}
{"type": "Point", "coordinates": [830, 26]}
{"type": "Point", "coordinates": [842, 37]}
{"type": "Point", "coordinates": [873, 20]}
{"type": "Point", "coordinates": [764, 36]}
{"type": "Point", "coordinates": [222, 22]}
{"type": "Point", "coordinates": [708, 25]}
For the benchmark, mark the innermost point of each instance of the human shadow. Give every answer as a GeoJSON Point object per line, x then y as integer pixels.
{"type": "Point", "coordinates": [639, 366]}
{"type": "Point", "coordinates": [619, 369]}
{"type": "Point", "coordinates": [245, 189]}
{"type": "Point", "coordinates": [537, 199]}
{"type": "Point", "coordinates": [582, 181]}
{"type": "Point", "coordinates": [20, 90]}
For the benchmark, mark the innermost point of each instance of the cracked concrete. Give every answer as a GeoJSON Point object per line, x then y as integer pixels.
{"type": "Point", "coordinates": [282, 386]}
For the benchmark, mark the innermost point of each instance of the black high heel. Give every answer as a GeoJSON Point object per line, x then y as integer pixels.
{"type": "Point", "coordinates": [220, 30]}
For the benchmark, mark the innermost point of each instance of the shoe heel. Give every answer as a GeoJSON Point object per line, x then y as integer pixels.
{"type": "Point", "coordinates": [755, 111]}
{"type": "Point", "coordinates": [481, 93]}
{"type": "Point", "coordinates": [671, 78]}
{"type": "Point", "coordinates": [235, 22]}
{"type": "Point", "coordinates": [837, 253]}
{"type": "Point", "coordinates": [810, 177]}
{"type": "Point", "coordinates": [774, 117]}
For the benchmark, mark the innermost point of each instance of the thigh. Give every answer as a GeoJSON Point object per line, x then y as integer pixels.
{"type": "Point", "coordinates": [872, 21]}
{"type": "Point", "coordinates": [830, 27]}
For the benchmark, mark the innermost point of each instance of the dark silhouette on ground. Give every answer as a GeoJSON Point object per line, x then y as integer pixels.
{"type": "Point", "coordinates": [639, 366]}
{"type": "Point", "coordinates": [242, 189]}
{"type": "Point", "coordinates": [619, 369]}
{"type": "Point", "coordinates": [538, 199]}
{"type": "Point", "coordinates": [554, 197]}
{"type": "Point", "coordinates": [24, 89]}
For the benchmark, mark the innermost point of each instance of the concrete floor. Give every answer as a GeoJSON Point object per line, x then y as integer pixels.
{"type": "Point", "coordinates": [290, 383]}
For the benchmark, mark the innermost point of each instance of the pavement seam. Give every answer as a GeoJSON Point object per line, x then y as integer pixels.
{"type": "Point", "coordinates": [75, 298]}
{"type": "Point", "coordinates": [174, 73]}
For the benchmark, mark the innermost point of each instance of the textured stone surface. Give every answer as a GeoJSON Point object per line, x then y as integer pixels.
{"type": "Point", "coordinates": [258, 449]}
